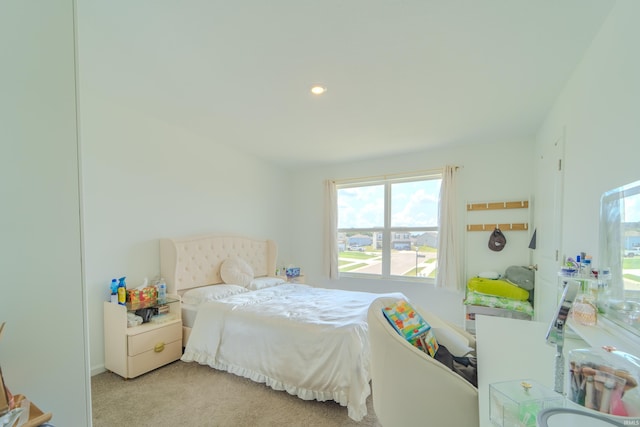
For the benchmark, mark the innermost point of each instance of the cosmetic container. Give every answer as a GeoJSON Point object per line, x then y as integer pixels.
{"type": "Point", "coordinates": [604, 380]}
{"type": "Point", "coordinates": [517, 403]}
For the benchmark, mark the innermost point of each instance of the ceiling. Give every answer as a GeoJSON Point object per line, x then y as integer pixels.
{"type": "Point", "coordinates": [402, 75]}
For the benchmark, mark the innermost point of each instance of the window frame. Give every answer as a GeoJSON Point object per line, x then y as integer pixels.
{"type": "Point", "coordinates": [387, 229]}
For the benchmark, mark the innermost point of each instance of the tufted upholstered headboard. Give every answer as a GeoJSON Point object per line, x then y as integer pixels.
{"type": "Point", "coordinates": [190, 262]}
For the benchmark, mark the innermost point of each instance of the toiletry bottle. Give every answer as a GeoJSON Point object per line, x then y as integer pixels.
{"type": "Point", "coordinates": [586, 267]}
{"type": "Point", "coordinates": [162, 291]}
{"type": "Point", "coordinates": [122, 291]}
{"type": "Point", "coordinates": [114, 291]}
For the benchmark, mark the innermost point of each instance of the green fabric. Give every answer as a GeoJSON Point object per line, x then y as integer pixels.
{"type": "Point", "coordinates": [475, 298]}
{"type": "Point", "coordinates": [499, 288]}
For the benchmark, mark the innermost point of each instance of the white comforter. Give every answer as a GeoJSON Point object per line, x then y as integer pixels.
{"type": "Point", "coordinates": [311, 342]}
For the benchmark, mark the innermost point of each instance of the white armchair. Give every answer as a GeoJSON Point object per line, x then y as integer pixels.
{"type": "Point", "coordinates": [411, 388]}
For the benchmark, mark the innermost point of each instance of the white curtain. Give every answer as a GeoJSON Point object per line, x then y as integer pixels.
{"type": "Point", "coordinates": [449, 275]}
{"type": "Point", "coordinates": [330, 230]}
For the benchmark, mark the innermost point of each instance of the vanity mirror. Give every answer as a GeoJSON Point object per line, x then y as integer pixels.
{"type": "Point", "coordinates": [620, 253]}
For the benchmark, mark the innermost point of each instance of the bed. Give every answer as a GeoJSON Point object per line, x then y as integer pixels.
{"type": "Point", "coordinates": [311, 342]}
{"type": "Point", "coordinates": [496, 297]}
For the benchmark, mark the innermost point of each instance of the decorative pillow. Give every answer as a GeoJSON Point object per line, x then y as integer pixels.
{"type": "Point", "coordinates": [236, 270]}
{"type": "Point", "coordinates": [409, 324]}
{"type": "Point", "coordinates": [211, 293]}
{"type": "Point", "coordinates": [498, 288]}
{"type": "Point", "coordinates": [265, 282]}
{"type": "Point", "coordinates": [520, 276]}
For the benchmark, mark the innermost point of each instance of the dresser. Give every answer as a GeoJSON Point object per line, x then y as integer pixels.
{"type": "Point", "coordinates": [133, 351]}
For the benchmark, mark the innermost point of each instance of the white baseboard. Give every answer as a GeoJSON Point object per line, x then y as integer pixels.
{"type": "Point", "coordinates": [98, 370]}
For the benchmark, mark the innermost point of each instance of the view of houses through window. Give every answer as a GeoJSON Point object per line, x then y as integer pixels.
{"type": "Point", "coordinates": [389, 227]}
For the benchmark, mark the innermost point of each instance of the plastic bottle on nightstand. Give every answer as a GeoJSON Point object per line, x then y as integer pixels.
{"type": "Point", "coordinates": [114, 291]}
{"type": "Point", "coordinates": [122, 291]}
{"type": "Point", "coordinates": [162, 291]}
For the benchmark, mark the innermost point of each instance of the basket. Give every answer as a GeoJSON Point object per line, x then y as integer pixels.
{"type": "Point", "coordinates": [36, 416]}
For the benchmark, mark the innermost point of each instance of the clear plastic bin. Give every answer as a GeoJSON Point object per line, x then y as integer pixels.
{"type": "Point", "coordinates": [605, 380]}
{"type": "Point", "coordinates": [517, 403]}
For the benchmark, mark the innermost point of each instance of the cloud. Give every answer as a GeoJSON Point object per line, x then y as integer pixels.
{"type": "Point", "coordinates": [413, 204]}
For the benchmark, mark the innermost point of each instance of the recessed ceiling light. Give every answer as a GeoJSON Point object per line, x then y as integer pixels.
{"type": "Point", "coordinates": [318, 89]}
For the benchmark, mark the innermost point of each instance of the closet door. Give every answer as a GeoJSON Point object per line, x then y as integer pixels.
{"type": "Point", "coordinates": [548, 214]}
{"type": "Point", "coordinates": [43, 352]}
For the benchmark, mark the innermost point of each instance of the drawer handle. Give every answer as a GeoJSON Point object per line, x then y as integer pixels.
{"type": "Point", "coordinates": [158, 347]}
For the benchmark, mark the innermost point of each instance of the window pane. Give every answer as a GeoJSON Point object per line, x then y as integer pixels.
{"type": "Point", "coordinates": [389, 228]}
{"type": "Point", "coordinates": [415, 204]}
{"type": "Point", "coordinates": [361, 207]}
{"type": "Point", "coordinates": [414, 253]}
{"type": "Point", "coordinates": [631, 234]}
{"type": "Point", "coordinates": [360, 253]}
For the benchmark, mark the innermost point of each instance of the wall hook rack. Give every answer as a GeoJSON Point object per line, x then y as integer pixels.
{"type": "Point", "coordinates": [518, 226]}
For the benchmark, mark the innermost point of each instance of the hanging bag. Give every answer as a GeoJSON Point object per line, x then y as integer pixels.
{"type": "Point", "coordinates": [497, 240]}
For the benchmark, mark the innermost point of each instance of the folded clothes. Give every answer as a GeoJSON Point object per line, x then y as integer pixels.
{"type": "Point", "coordinates": [133, 320]}
{"type": "Point", "coordinates": [475, 298]}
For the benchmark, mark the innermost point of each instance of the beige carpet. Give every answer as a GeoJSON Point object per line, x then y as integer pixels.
{"type": "Point", "coordinates": [189, 394]}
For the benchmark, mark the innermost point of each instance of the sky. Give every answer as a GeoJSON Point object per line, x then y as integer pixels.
{"type": "Point", "coordinates": [413, 204]}
{"type": "Point", "coordinates": [632, 208]}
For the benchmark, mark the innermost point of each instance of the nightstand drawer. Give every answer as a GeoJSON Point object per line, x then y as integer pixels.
{"type": "Point", "coordinates": [154, 358]}
{"type": "Point", "coordinates": [148, 341]}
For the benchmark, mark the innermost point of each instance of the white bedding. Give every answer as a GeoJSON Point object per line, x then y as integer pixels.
{"type": "Point", "coordinates": [189, 312]}
{"type": "Point", "coordinates": [311, 342]}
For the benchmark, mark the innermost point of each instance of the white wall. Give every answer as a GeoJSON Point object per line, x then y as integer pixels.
{"type": "Point", "coordinates": [43, 352]}
{"type": "Point", "coordinates": [144, 180]}
{"type": "Point", "coordinates": [600, 110]}
{"type": "Point", "coordinates": [501, 171]}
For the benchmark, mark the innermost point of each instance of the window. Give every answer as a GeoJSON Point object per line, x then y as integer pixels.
{"type": "Point", "coordinates": [389, 227]}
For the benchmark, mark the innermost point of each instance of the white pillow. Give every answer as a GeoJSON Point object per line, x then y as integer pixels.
{"type": "Point", "coordinates": [489, 275]}
{"type": "Point", "coordinates": [211, 293]}
{"type": "Point", "coordinates": [455, 342]}
{"type": "Point", "coordinates": [236, 270]}
{"type": "Point", "coordinates": [265, 282]}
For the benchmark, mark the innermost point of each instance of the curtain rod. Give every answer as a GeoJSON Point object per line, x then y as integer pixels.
{"type": "Point", "coordinates": [390, 176]}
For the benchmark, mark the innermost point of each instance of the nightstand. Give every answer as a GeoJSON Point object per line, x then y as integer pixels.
{"type": "Point", "coordinates": [133, 351]}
